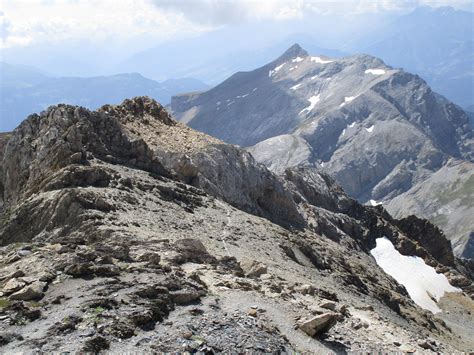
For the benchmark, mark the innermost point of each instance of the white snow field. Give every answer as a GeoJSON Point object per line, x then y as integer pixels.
{"type": "Point", "coordinates": [313, 100]}
{"type": "Point", "coordinates": [420, 280]}
{"type": "Point", "coordinates": [374, 203]}
{"type": "Point", "coordinates": [297, 60]}
{"type": "Point", "coordinates": [296, 87]}
{"type": "Point", "coordinates": [320, 60]}
{"type": "Point", "coordinates": [274, 71]}
{"type": "Point", "coordinates": [347, 99]}
{"type": "Point", "coordinates": [375, 71]}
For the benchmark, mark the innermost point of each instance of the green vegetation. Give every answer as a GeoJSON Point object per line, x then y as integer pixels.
{"type": "Point", "coordinates": [98, 310]}
{"type": "Point", "coordinates": [199, 339]}
{"type": "Point", "coordinates": [35, 304]}
{"type": "Point", "coordinates": [4, 303]}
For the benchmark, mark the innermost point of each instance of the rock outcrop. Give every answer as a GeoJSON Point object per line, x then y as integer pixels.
{"type": "Point", "coordinates": [123, 230]}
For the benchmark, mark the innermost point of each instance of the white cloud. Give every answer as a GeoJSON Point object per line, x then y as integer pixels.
{"type": "Point", "coordinates": [31, 21]}
{"type": "Point", "coordinates": [237, 11]}
{"type": "Point", "coordinates": [24, 22]}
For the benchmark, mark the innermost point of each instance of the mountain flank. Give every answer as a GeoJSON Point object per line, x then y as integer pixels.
{"type": "Point", "coordinates": [124, 230]}
{"type": "Point", "coordinates": [381, 132]}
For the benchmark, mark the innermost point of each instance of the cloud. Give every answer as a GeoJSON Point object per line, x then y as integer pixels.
{"type": "Point", "coordinates": [25, 22]}
{"type": "Point", "coordinates": [221, 12]}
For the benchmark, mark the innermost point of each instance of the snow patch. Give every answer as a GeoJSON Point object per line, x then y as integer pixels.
{"type": "Point", "coordinates": [230, 103]}
{"type": "Point", "coordinates": [352, 125]}
{"type": "Point", "coordinates": [275, 70]}
{"type": "Point", "coordinates": [370, 129]}
{"type": "Point", "coordinates": [242, 96]}
{"type": "Point", "coordinates": [293, 68]}
{"type": "Point", "coordinates": [374, 203]}
{"type": "Point", "coordinates": [344, 131]}
{"type": "Point", "coordinates": [347, 99]}
{"type": "Point", "coordinates": [297, 59]}
{"type": "Point", "coordinates": [420, 280]}
{"type": "Point", "coordinates": [320, 60]}
{"type": "Point", "coordinates": [313, 100]}
{"type": "Point", "coordinates": [254, 89]}
{"type": "Point", "coordinates": [313, 77]}
{"type": "Point", "coordinates": [375, 71]}
{"type": "Point", "coordinates": [296, 86]}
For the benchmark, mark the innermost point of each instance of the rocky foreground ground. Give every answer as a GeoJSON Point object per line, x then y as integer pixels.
{"type": "Point", "coordinates": [123, 230]}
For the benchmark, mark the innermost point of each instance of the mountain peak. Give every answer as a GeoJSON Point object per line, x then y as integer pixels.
{"type": "Point", "coordinates": [138, 107]}
{"type": "Point", "coordinates": [294, 51]}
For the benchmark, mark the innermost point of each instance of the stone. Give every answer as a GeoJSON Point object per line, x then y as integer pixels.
{"type": "Point", "coordinates": [343, 309]}
{"type": "Point", "coordinates": [305, 289]}
{"type": "Point", "coordinates": [29, 279]}
{"type": "Point", "coordinates": [187, 334]}
{"type": "Point", "coordinates": [329, 305]}
{"type": "Point", "coordinates": [15, 274]}
{"type": "Point", "coordinates": [78, 270]}
{"type": "Point", "coordinates": [31, 292]}
{"type": "Point", "coordinates": [6, 338]}
{"type": "Point", "coordinates": [253, 268]}
{"type": "Point", "coordinates": [185, 296]}
{"type": "Point", "coordinates": [24, 252]}
{"type": "Point", "coordinates": [193, 250]}
{"type": "Point", "coordinates": [96, 344]}
{"type": "Point", "coordinates": [252, 312]}
{"type": "Point", "coordinates": [427, 344]}
{"type": "Point", "coordinates": [319, 324]}
{"type": "Point", "coordinates": [46, 276]}
{"type": "Point", "coordinates": [13, 285]}
{"type": "Point", "coordinates": [149, 256]}
{"type": "Point", "coordinates": [105, 270]}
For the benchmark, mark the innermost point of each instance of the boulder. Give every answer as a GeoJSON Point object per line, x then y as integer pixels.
{"type": "Point", "coordinates": [319, 324]}
{"type": "Point", "coordinates": [13, 285]}
{"type": "Point", "coordinates": [305, 289]}
{"type": "Point", "coordinates": [149, 256]}
{"type": "Point", "coordinates": [192, 250]}
{"type": "Point", "coordinates": [253, 268]}
{"type": "Point", "coordinates": [328, 305]}
{"type": "Point", "coordinates": [185, 296]}
{"type": "Point", "coordinates": [33, 291]}
{"type": "Point", "coordinates": [14, 274]}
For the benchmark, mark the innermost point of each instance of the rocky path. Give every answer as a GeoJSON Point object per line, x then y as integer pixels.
{"type": "Point", "coordinates": [225, 231]}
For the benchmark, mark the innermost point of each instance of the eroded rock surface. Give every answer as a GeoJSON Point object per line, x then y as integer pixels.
{"type": "Point", "coordinates": [123, 230]}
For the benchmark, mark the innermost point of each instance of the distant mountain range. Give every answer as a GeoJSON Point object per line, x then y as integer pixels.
{"type": "Point", "coordinates": [25, 90]}
{"type": "Point", "coordinates": [210, 65]}
{"type": "Point", "coordinates": [437, 44]}
{"type": "Point", "coordinates": [382, 132]}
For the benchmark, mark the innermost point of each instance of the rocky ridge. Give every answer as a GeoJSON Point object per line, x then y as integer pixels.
{"type": "Point", "coordinates": [122, 230]}
{"type": "Point", "coordinates": [381, 132]}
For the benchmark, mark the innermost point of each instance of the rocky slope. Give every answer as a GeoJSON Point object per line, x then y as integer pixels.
{"type": "Point", "coordinates": [124, 230]}
{"type": "Point", "coordinates": [379, 131]}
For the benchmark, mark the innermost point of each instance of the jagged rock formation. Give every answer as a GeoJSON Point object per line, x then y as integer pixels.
{"type": "Point", "coordinates": [124, 230]}
{"type": "Point", "coordinates": [379, 131]}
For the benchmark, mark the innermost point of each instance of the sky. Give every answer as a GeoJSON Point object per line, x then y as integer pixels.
{"type": "Point", "coordinates": [34, 22]}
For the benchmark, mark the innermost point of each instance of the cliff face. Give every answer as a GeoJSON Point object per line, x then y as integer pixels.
{"type": "Point", "coordinates": [129, 230]}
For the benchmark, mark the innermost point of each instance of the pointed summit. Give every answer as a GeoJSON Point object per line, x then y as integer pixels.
{"type": "Point", "coordinates": [294, 51]}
